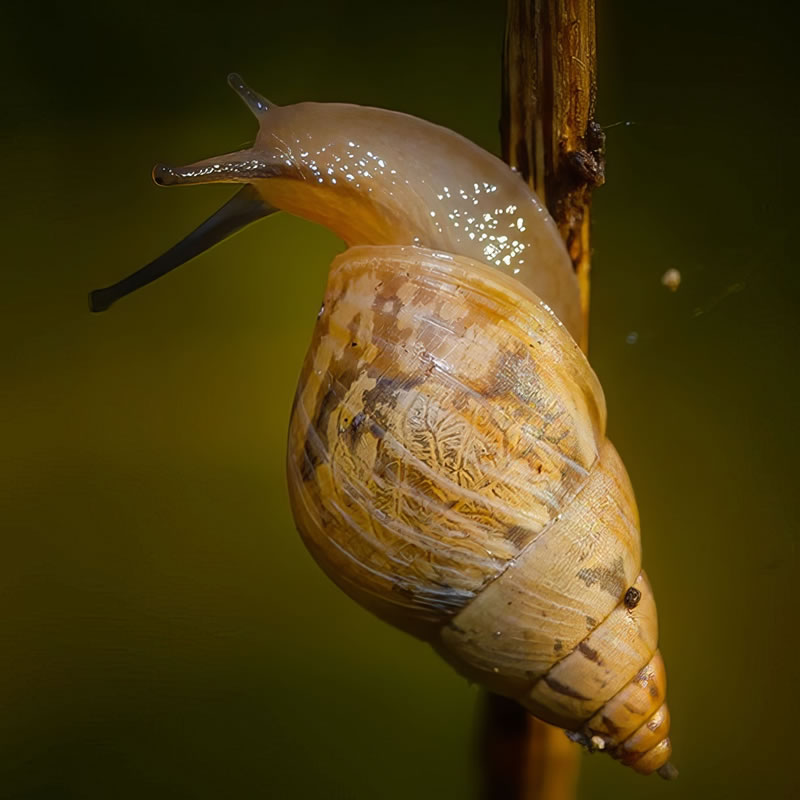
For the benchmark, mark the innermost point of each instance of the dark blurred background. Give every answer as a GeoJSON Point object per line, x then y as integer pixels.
{"type": "Point", "coordinates": [164, 634]}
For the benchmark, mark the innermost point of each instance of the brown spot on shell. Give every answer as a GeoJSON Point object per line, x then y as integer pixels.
{"type": "Point", "coordinates": [387, 298]}
{"type": "Point", "coordinates": [562, 688]}
{"type": "Point", "coordinates": [514, 372]}
{"type": "Point", "coordinates": [353, 326]}
{"type": "Point", "coordinates": [610, 579]}
{"type": "Point", "coordinates": [591, 623]}
{"type": "Point", "coordinates": [387, 390]}
{"type": "Point", "coordinates": [589, 652]}
{"type": "Point", "coordinates": [314, 447]}
{"type": "Point", "coordinates": [609, 723]}
{"type": "Point", "coordinates": [325, 409]}
{"type": "Point", "coordinates": [356, 428]}
{"type": "Point", "coordinates": [558, 646]}
{"type": "Point", "coordinates": [519, 535]}
{"type": "Point", "coordinates": [310, 458]}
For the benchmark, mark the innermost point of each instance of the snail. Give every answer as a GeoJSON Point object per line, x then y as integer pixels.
{"type": "Point", "coordinates": [447, 460]}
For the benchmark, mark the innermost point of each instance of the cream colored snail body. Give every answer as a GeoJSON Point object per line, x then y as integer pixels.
{"type": "Point", "coordinates": [447, 460]}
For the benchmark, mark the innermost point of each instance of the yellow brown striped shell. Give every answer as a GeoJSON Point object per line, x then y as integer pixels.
{"type": "Point", "coordinates": [448, 469]}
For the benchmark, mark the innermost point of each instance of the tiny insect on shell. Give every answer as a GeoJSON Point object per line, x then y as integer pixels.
{"type": "Point", "coordinates": [447, 460]}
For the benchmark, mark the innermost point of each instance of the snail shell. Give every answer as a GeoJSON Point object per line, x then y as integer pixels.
{"type": "Point", "coordinates": [447, 460]}
{"type": "Point", "coordinates": [448, 469]}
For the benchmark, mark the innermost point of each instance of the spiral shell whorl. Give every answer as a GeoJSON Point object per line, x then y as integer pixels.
{"type": "Point", "coordinates": [634, 724]}
{"type": "Point", "coordinates": [554, 632]}
{"type": "Point", "coordinates": [448, 469]}
{"type": "Point", "coordinates": [429, 467]}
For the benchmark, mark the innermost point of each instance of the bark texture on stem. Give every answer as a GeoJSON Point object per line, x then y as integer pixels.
{"type": "Point", "coordinates": [547, 125]}
{"type": "Point", "coordinates": [549, 134]}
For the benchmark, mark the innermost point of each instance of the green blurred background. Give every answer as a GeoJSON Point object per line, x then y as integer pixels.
{"type": "Point", "coordinates": [164, 633]}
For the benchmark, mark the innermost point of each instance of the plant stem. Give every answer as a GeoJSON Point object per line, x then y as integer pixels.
{"type": "Point", "coordinates": [550, 136]}
{"type": "Point", "coordinates": [524, 758]}
{"type": "Point", "coordinates": [547, 125]}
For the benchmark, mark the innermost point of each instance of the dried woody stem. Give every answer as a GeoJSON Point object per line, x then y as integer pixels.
{"type": "Point", "coordinates": [547, 125]}
{"type": "Point", "coordinates": [550, 136]}
{"type": "Point", "coordinates": [523, 758]}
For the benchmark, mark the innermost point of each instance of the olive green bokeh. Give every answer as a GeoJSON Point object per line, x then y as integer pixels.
{"type": "Point", "coordinates": [164, 632]}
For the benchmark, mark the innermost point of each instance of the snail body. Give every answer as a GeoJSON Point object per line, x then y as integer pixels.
{"type": "Point", "coordinates": [380, 177]}
{"type": "Point", "coordinates": [447, 460]}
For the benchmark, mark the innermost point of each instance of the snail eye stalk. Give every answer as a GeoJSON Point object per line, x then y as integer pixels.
{"type": "Point", "coordinates": [256, 102]}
